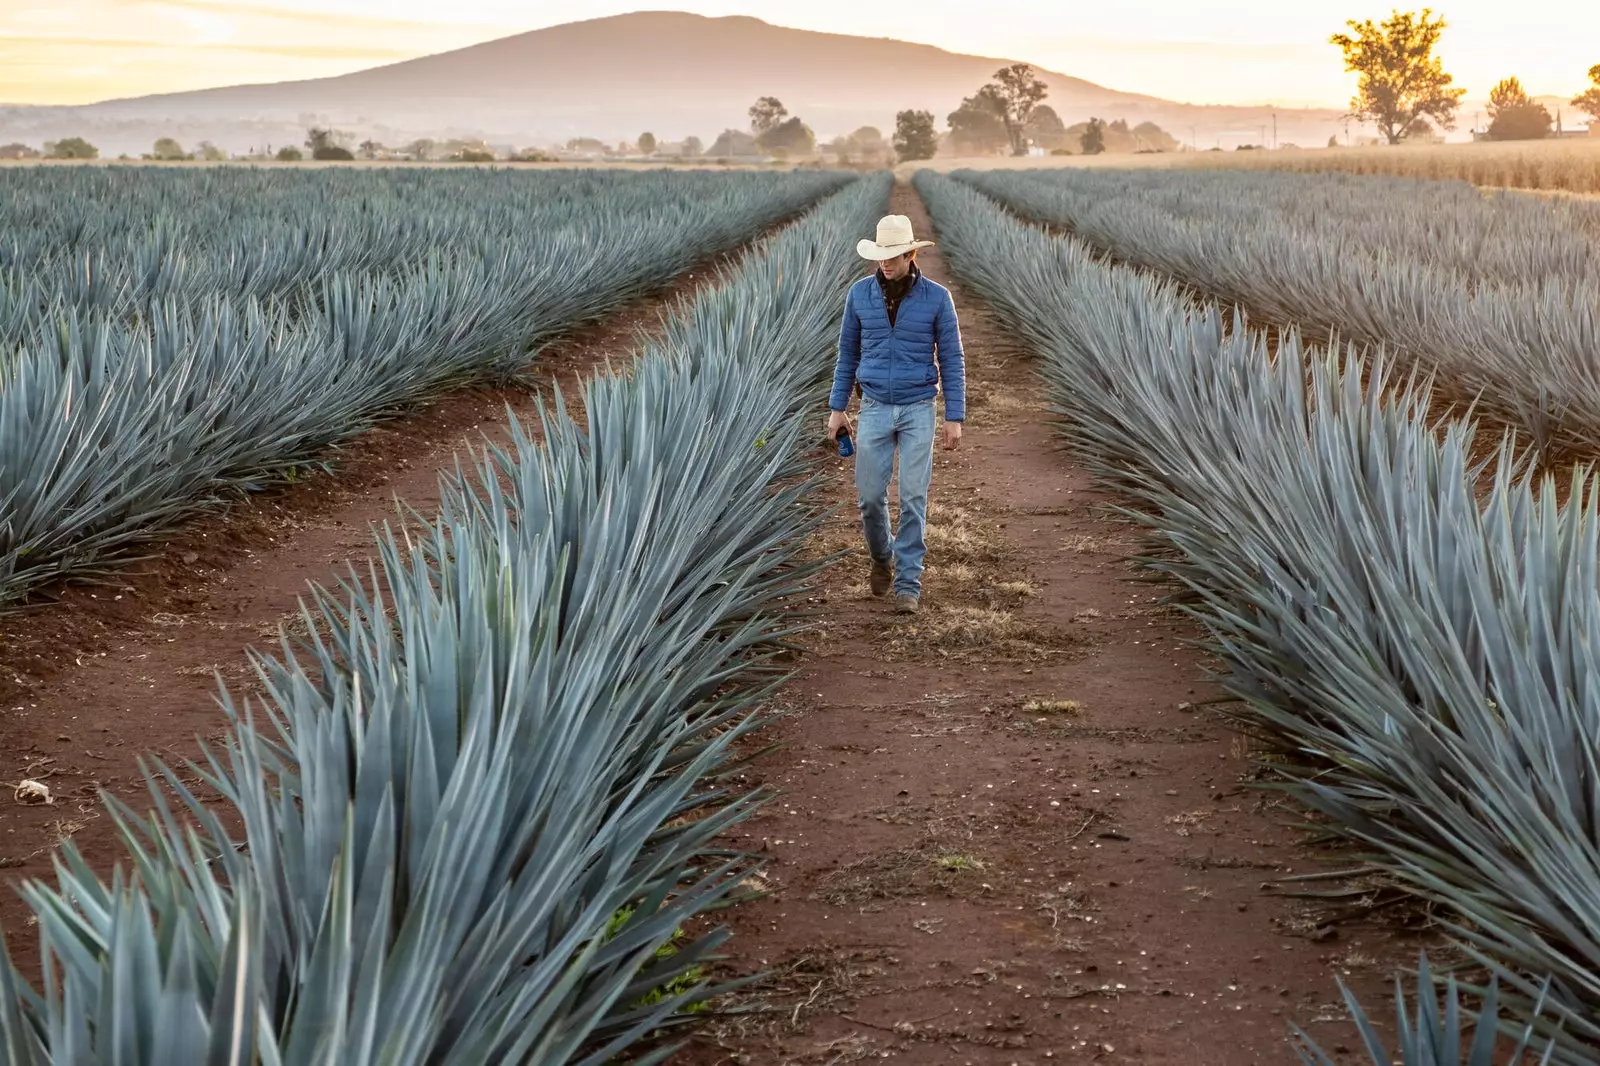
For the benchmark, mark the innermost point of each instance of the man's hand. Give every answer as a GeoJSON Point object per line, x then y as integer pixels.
{"type": "Point", "coordinates": [836, 422]}
{"type": "Point", "coordinates": [952, 436]}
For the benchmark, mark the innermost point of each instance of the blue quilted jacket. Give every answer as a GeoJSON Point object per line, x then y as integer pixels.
{"type": "Point", "coordinates": [906, 362]}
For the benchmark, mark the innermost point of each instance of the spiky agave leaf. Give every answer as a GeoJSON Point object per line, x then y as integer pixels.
{"type": "Point", "coordinates": [1435, 1032]}
{"type": "Point", "coordinates": [1496, 293]}
{"type": "Point", "coordinates": [495, 743]}
{"type": "Point", "coordinates": [1429, 656]}
{"type": "Point", "coordinates": [120, 414]}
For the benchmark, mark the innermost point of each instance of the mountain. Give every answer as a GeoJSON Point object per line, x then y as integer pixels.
{"type": "Point", "coordinates": [672, 73]}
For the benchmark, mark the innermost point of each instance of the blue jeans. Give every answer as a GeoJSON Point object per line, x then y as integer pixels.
{"type": "Point", "coordinates": [883, 430]}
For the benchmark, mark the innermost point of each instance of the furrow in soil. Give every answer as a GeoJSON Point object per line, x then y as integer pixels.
{"type": "Point", "coordinates": [1008, 829]}
{"type": "Point", "coordinates": [111, 671]}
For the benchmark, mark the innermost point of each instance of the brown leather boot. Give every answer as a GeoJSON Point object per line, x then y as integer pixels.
{"type": "Point", "coordinates": [882, 578]}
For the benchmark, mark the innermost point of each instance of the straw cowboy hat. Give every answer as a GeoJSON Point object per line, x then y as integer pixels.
{"type": "Point", "coordinates": [894, 238]}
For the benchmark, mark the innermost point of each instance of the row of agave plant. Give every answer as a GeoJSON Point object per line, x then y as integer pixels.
{"type": "Point", "coordinates": [115, 423]}
{"type": "Point", "coordinates": [473, 816]}
{"type": "Point", "coordinates": [1426, 661]}
{"type": "Point", "coordinates": [1496, 293]}
{"type": "Point", "coordinates": [119, 240]}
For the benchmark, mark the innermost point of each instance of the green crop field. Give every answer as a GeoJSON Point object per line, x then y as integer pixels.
{"type": "Point", "coordinates": [171, 335]}
{"type": "Point", "coordinates": [1422, 661]}
{"type": "Point", "coordinates": [555, 663]}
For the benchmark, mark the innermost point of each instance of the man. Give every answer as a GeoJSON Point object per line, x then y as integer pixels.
{"type": "Point", "coordinates": [899, 343]}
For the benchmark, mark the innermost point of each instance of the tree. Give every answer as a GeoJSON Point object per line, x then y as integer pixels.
{"type": "Point", "coordinates": [70, 148]}
{"type": "Point", "coordinates": [289, 154]}
{"type": "Point", "coordinates": [1018, 92]}
{"type": "Point", "coordinates": [1401, 80]}
{"type": "Point", "coordinates": [318, 138]}
{"type": "Point", "coordinates": [647, 144]}
{"type": "Point", "coordinates": [18, 151]}
{"type": "Point", "coordinates": [976, 127]}
{"type": "Point", "coordinates": [1333, 141]}
{"type": "Point", "coordinates": [1514, 115]}
{"type": "Point", "coordinates": [209, 152]}
{"type": "Point", "coordinates": [370, 149]}
{"type": "Point", "coordinates": [1093, 140]}
{"type": "Point", "coordinates": [914, 136]}
{"type": "Point", "coordinates": [790, 137]}
{"type": "Point", "coordinates": [420, 149]}
{"type": "Point", "coordinates": [733, 143]}
{"type": "Point", "coordinates": [693, 146]}
{"type": "Point", "coordinates": [1148, 137]}
{"type": "Point", "coordinates": [166, 148]}
{"type": "Point", "coordinates": [1045, 128]}
{"type": "Point", "coordinates": [1588, 101]}
{"type": "Point", "coordinates": [766, 113]}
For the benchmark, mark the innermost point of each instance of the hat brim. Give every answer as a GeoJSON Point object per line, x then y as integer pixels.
{"type": "Point", "coordinates": [879, 252]}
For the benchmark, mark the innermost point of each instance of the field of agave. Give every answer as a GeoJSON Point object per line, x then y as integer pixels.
{"type": "Point", "coordinates": [468, 822]}
{"type": "Point", "coordinates": [1424, 660]}
{"type": "Point", "coordinates": [170, 336]}
{"type": "Point", "coordinates": [1495, 292]}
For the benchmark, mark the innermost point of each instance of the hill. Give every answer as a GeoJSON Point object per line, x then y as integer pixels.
{"type": "Point", "coordinates": [673, 73]}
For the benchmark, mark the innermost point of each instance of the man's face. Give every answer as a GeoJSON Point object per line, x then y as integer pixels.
{"type": "Point", "coordinates": [896, 268]}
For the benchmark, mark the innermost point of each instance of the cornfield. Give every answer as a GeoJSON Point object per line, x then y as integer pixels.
{"type": "Point", "coordinates": [473, 809]}
{"type": "Point", "coordinates": [1494, 294]}
{"type": "Point", "coordinates": [1556, 165]}
{"type": "Point", "coordinates": [169, 337]}
{"type": "Point", "coordinates": [1424, 661]}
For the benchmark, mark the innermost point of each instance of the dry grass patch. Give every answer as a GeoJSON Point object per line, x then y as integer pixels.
{"type": "Point", "coordinates": [958, 535]}
{"type": "Point", "coordinates": [990, 633]}
{"type": "Point", "coordinates": [1052, 706]}
{"type": "Point", "coordinates": [972, 627]}
{"type": "Point", "coordinates": [931, 867]}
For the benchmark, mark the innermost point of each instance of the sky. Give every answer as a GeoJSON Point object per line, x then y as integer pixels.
{"type": "Point", "coordinates": [1242, 52]}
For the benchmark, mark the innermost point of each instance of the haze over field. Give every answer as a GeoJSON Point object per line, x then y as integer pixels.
{"type": "Point", "coordinates": [400, 69]}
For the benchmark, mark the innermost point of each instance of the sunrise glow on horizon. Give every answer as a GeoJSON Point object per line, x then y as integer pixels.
{"type": "Point", "coordinates": [81, 51]}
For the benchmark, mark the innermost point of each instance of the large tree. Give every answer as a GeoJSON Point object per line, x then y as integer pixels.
{"type": "Point", "coordinates": [1046, 129]}
{"type": "Point", "coordinates": [914, 136]}
{"type": "Point", "coordinates": [167, 149]}
{"type": "Point", "coordinates": [1588, 101]}
{"type": "Point", "coordinates": [693, 146]}
{"type": "Point", "coordinates": [1019, 92]}
{"type": "Point", "coordinates": [1514, 115]}
{"type": "Point", "coordinates": [732, 143]}
{"type": "Point", "coordinates": [766, 113]}
{"type": "Point", "coordinates": [1402, 83]}
{"type": "Point", "coordinates": [789, 137]}
{"type": "Point", "coordinates": [976, 127]}
{"type": "Point", "coordinates": [647, 143]}
{"type": "Point", "coordinates": [1093, 140]}
{"type": "Point", "coordinates": [71, 148]}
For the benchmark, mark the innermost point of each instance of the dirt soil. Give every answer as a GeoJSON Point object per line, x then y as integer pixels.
{"type": "Point", "coordinates": [94, 676]}
{"type": "Point", "coordinates": [1007, 831]}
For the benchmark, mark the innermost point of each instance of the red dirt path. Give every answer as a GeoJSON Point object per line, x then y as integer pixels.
{"type": "Point", "coordinates": [967, 869]}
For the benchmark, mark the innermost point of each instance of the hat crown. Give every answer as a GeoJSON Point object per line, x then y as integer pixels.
{"type": "Point", "coordinates": [894, 230]}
